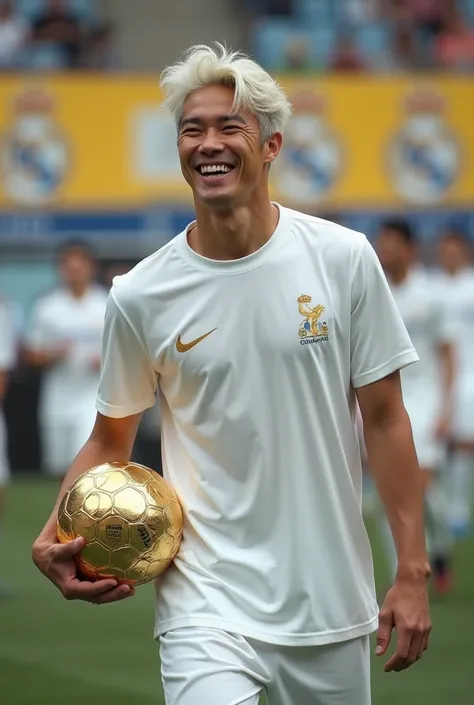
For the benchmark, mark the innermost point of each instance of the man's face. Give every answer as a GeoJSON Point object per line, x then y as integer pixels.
{"type": "Point", "coordinates": [453, 254]}
{"type": "Point", "coordinates": [76, 269]}
{"type": "Point", "coordinates": [221, 153]}
{"type": "Point", "coordinates": [393, 250]}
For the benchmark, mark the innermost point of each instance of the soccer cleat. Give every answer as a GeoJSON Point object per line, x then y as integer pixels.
{"type": "Point", "coordinates": [442, 576]}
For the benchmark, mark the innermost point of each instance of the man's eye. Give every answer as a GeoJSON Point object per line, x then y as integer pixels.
{"type": "Point", "coordinates": [230, 128]}
{"type": "Point", "coordinates": [190, 131]}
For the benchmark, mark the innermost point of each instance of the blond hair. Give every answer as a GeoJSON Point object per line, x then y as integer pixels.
{"type": "Point", "coordinates": [254, 89]}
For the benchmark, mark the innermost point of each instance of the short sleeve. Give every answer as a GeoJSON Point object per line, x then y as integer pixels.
{"type": "Point", "coordinates": [7, 340]}
{"type": "Point", "coordinates": [128, 378]}
{"type": "Point", "coordinates": [380, 343]}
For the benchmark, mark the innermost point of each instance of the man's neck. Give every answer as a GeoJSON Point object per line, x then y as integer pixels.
{"type": "Point", "coordinates": [233, 234]}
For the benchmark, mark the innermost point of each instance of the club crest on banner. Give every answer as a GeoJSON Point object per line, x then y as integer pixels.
{"type": "Point", "coordinates": [424, 156]}
{"type": "Point", "coordinates": [34, 152]}
{"type": "Point", "coordinates": [311, 157]}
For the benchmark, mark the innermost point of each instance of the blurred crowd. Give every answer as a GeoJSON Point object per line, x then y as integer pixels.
{"type": "Point", "coordinates": [363, 35]}
{"type": "Point", "coordinates": [55, 35]}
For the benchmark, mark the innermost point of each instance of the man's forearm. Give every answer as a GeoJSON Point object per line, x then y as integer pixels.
{"type": "Point", "coordinates": [394, 465]}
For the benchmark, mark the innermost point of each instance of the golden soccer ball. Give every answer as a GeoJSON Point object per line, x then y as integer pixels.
{"type": "Point", "coordinates": [130, 518]}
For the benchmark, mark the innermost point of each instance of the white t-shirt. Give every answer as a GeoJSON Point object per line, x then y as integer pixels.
{"type": "Point", "coordinates": [424, 311]}
{"type": "Point", "coordinates": [458, 291]}
{"type": "Point", "coordinates": [61, 319]}
{"type": "Point", "coordinates": [258, 423]}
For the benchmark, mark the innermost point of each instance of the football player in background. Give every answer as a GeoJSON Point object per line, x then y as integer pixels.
{"type": "Point", "coordinates": [7, 361]}
{"type": "Point", "coordinates": [427, 386]}
{"type": "Point", "coordinates": [457, 274]}
{"type": "Point", "coordinates": [64, 340]}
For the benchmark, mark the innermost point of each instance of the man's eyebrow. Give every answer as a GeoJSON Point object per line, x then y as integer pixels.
{"type": "Point", "coordinates": [232, 118]}
{"type": "Point", "coordinates": [223, 118]}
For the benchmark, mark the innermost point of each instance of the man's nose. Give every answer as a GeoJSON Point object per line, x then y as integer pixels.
{"type": "Point", "coordinates": [211, 142]}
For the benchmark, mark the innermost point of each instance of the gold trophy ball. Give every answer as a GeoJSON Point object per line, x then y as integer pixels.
{"type": "Point", "coordinates": [131, 521]}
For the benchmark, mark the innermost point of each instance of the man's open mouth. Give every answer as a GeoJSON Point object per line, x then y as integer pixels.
{"type": "Point", "coordinates": [213, 170]}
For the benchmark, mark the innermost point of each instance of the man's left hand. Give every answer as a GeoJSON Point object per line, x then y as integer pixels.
{"type": "Point", "coordinates": [406, 609]}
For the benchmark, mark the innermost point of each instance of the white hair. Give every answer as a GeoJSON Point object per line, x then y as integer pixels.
{"type": "Point", "coordinates": [254, 89]}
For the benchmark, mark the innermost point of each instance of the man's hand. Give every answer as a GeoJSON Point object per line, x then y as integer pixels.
{"type": "Point", "coordinates": [56, 561]}
{"type": "Point", "coordinates": [406, 609]}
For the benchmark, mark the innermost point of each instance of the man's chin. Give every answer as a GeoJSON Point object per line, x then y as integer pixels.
{"type": "Point", "coordinates": [216, 198]}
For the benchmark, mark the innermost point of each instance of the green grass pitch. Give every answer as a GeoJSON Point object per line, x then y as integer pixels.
{"type": "Point", "coordinates": [54, 652]}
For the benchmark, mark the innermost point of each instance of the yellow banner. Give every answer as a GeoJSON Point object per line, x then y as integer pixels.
{"type": "Point", "coordinates": [83, 141]}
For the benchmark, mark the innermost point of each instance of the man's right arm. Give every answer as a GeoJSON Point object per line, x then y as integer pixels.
{"type": "Point", "coordinates": [127, 387]}
{"type": "Point", "coordinates": [111, 440]}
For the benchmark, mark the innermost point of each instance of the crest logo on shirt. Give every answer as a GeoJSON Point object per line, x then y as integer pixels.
{"type": "Point", "coordinates": [424, 157]}
{"type": "Point", "coordinates": [311, 330]}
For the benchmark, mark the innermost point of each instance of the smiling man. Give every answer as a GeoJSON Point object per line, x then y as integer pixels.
{"type": "Point", "coordinates": [259, 328]}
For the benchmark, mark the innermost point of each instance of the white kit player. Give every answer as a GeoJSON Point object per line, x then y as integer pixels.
{"type": "Point", "coordinates": [428, 386]}
{"type": "Point", "coordinates": [64, 339]}
{"type": "Point", "coordinates": [7, 361]}
{"type": "Point", "coordinates": [457, 277]}
{"type": "Point", "coordinates": [259, 327]}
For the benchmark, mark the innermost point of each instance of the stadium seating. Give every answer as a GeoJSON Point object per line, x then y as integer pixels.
{"type": "Point", "coordinates": [85, 9]}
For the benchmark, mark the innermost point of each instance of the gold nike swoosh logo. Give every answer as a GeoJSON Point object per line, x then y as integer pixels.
{"type": "Point", "coordinates": [184, 347]}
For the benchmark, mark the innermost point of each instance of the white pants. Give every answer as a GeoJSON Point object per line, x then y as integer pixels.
{"type": "Point", "coordinates": [203, 666]}
{"type": "Point", "coordinates": [63, 437]}
{"type": "Point", "coordinates": [4, 469]}
{"type": "Point", "coordinates": [463, 412]}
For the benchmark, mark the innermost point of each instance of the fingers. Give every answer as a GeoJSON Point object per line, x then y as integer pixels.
{"type": "Point", "coordinates": [69, 549]}
{"type": "Point", "coordinates": [121, 592]}
{"type": "Point", "coordinates": [399, 659]}
{"type": "Point", "coordinates": [76, 589]}
{"type": "Point", "coordinates": [384, 633]}
{"type": "Point", "coordinates": [410, 647]}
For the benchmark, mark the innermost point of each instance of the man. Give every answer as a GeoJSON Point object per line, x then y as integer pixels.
{"type": "Point", "coordinates": [7, 360]}
{"type": "Point", "coordinates": [57, 23]}
{"type": "Point", "coordinates": [258, 326]}
{"type": "Point", "coordinates": [457, 277]}
{"type": "Point", "coordinates": [64, 340]}
{"type": "Point", "coordinates": [428, 386]}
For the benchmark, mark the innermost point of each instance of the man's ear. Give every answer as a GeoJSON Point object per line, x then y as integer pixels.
{"type": "Point", "coordinates": [273, 147]}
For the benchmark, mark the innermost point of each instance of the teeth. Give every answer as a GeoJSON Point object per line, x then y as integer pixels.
{"type": "Point", "coordinates": [215, 169]}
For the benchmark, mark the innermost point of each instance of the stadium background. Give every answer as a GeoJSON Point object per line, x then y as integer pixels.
{"type": "Point", "coordinates": [383, 124]}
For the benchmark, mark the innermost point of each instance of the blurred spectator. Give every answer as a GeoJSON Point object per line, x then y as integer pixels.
{"type": "Point", "coordinates": [297, 55]}
{"type": "Point", "coordinates": [58, 24]}
{"type": "Point", "coordinates": [274, 8]}
{"type": "Point", "coordinates": [454, 48]}
{"type": "Point", "coordinates": [13, 34]}
{"type": "Point", "coordinates": [359, 11]}
{"type": "Point", "coordinates": [405, 52]}
{"type": "Point", "coordinates": [430, 15]}
{"type": "Point", "coordinates": [64, 341]}
{"type": "Point", "coordinates": [347, 56]}
{"type": "Point", "coordinates": [99, 52]}
{"type": "Point", "coordinates": [7, 361]}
